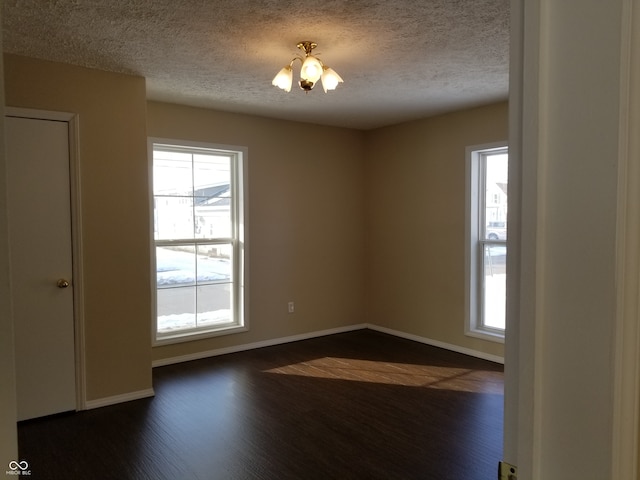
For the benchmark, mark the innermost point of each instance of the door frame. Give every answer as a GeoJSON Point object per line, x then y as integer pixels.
{"type": "Point", "coordinates": [72, 121]}
{"type": "Point", "coordinates": [523, 352]}
{"type": "Point", "coordinates": [626, 393]}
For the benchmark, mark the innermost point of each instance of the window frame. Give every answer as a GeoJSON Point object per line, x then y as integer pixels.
{"type": "Point", "coordinates": [475, 244]}
{"type": "Point", "coordinates": [238, 240]}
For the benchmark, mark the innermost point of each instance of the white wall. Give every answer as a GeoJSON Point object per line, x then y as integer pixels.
{"type": "Point", "coordinates": [565, 134]}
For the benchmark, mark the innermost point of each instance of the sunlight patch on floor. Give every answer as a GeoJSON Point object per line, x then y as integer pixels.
{"type": "Point", "coordinates": [426, 376]}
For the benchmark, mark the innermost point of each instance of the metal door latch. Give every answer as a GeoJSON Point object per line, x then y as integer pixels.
{"type": "Point", "coordinates": [507, 472]}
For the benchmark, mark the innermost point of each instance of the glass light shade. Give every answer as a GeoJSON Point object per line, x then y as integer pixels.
{"type": "Point", "coordinates": [330, 79]}
{"type": "Point", "coordinates": [311, 69]}
{"type": "Point", "coordinates": [284, 79]}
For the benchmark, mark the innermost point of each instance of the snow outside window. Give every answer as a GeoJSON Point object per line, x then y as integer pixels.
{"type": "Point", "coordinates": [486, 256]}
{"type": "Point", "coordinates": [198, 235]}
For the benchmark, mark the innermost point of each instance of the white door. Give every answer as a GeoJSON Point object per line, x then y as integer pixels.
{"type": "Point", "coordinates": [41, 265]}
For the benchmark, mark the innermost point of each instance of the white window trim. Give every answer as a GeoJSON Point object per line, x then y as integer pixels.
{"type": "Point", "coordinates": [241, 266]}
{"type": "Point", "coordinates": [474, 216]}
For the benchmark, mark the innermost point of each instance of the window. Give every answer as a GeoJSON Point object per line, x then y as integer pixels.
{"type": "Point", "coordinates": [487, 168]}
{"type": "Point", "coordinates": [199, 233]}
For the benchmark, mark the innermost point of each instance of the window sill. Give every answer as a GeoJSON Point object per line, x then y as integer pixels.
{"type": "Point", "coordinates": [489, 335]}
{"type": "Point", "coordinates": [192, 336]}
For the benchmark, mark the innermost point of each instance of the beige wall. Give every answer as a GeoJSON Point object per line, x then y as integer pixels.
{"type": "Point", "coordinates": [416, 223]}
{"type": "Point", "coordinates": [114, 209]}
{"type": "Point", "coordinates": [306, 220]}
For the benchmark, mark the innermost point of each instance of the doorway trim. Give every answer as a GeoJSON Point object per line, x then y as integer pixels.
{"type": "Point", "coordinates": [76, 236]}
{"type": "Point", "coordinates": [626, 392]}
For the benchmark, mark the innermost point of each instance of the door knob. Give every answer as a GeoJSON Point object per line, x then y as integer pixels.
{"type": "Point", "coordinates": [62, 283]}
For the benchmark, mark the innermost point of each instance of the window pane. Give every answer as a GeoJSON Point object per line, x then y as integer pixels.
{"type": "Point", "coordinates": [175, 266]}
{"type": "Point", "coordinates": [210, 170]}
{"type": "Point", "coordinates": [496, 177]}
{"type": "Point", "coordinates": [173, 217]}
{"type": "Point", "coordinates": [495, 283]}
{"type": "Point", "coordinates": [214, 263]}
{"type": "Point", "coordinates": [214, 304]}
{"type": "Point", "coordinates": [172, 173]}
{"type": "Point", "coordinates": [212, 182]}
{"type": "Point", "coordinates": [213, 219]}
{"type": "Point", "coordinates": [176, 309]}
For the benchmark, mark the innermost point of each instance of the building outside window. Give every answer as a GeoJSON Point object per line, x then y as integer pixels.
{"type": "Point", "coordinates": [486, 256]}
{"type": "Point", "coordinates": [199, 228]}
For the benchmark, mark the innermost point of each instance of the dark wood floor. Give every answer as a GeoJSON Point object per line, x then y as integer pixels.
{"type": "Point", "coordinates": [359, 405]}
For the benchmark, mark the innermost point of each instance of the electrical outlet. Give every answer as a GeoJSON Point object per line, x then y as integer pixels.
{"type": "Point", "coordinates": [291, 307]}
{"type": "Point", "coordinates": [507, 472]}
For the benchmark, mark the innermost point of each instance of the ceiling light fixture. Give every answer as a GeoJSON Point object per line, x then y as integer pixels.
{"type": "Point", "coordinates": [312, 70]}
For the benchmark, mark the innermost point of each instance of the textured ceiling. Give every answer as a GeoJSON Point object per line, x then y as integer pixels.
{"type": "Point", "coordinates": [400, 60]}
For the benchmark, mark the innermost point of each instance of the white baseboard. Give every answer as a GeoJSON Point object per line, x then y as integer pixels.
{"type": "Point", "coordinates": [250, 346]}
{"type": "Point", "coordinates": [436, 343]}
{"type": "Point", "coordinates": [125, 397]}
{"type": "Point", "coordinates": [306, 336]}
